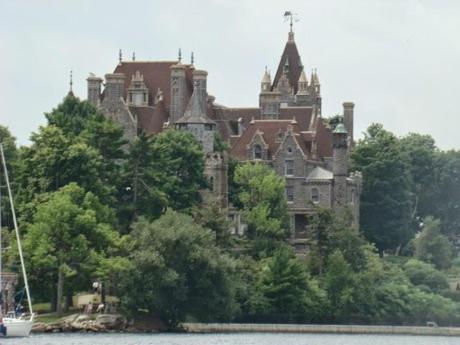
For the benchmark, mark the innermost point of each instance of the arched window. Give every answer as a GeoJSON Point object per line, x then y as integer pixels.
{"type": "Point", "coordinates": [257, 152]}
{"type": "Point", "coordinates": [314, 197]}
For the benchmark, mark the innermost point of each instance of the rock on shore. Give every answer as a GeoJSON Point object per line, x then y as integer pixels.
{"type": "Point", "coordinates": [83, 323]}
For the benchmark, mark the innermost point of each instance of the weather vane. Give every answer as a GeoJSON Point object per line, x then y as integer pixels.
{"type": "Point", "coordinates": [291, 17]}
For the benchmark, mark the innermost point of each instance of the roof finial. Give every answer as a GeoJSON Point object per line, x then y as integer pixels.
{"type": "Point", "coordinates": [291, 17]}
{"type": "Point", "coordinates": [70, 82]}
{"type": "Point", "coordinates": [179, 55]}
{"type": "Point", "coordinates": [134, 56]}
{"type": "Point", "coordinates": [192, 59]}
{"type": "Point", "coordinates": [120, 56]}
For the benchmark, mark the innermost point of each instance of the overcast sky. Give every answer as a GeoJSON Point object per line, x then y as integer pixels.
{"type": "Point", "coordinates": [398, 61]}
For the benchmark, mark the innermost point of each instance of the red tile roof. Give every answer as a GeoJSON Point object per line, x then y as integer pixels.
{"type": "Point", "coordinates": [156, 74]}
{"type": "Point", "coordinates": [269, 129]}
{"type": "Point", "coordinates": [301, 114]}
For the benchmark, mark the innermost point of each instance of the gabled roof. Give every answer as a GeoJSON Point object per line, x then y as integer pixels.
{"type": "Point", "coordinates": [320, 173]}
{"type": "Point", "coordinates": [268, 129]}
{"type": "Point", "coordinates": [156, 74]}
{"type": "Point", "coordinates": [291, 55]}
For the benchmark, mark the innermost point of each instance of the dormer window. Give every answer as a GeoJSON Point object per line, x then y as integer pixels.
{"type": "Point", "coordinates": [257, 151]}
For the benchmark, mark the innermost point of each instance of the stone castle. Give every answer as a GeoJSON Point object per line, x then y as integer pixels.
{"type": "Point", "coordinates": [286, 130]}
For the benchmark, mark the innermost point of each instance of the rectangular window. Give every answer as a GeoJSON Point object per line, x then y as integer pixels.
{"type": "Point", "coordinates": [290, 193]}
{"type": "Point", "coordinates": [289, 167]}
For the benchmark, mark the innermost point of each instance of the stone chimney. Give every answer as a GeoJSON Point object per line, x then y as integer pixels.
{"type": "Point", "coordinates": [178, 89]}
{"type": "Point", "coordinates": [200, 85]}
{"type": "Point", "coordinates": [348, 114]}
{"type": "Point", "coordinates": [340, 165]}
{"type": "Point", "coordinates": [114, 89]}
{"type": "Point", "coordinates": [94, 89]}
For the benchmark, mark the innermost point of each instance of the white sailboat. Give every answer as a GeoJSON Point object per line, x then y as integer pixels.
{"type": "Point", "coordinates": [16, 325]}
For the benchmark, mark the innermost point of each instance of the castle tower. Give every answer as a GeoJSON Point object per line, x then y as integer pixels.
{"type": "Point", "coordinates": [340, 166]}
{"type": "Point", "coordinates": [178, 91]}
{"type": "Point", "coordinates": [216, 172]}
{"type": "Point", "coordinates": [269, 101]}
{"type": "Point", "coordinates": [196, 121]}
{"type": "Point", "coordinates": [94, 85]}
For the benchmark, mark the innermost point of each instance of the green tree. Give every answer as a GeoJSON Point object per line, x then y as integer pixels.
{"type": "Point", "coordinates": [78, 145]}
{"type": "Point", "coordinates": [339, 282]}
{"type": "Point", "coordinates": [71, 232]}
{"type": "Point", "coordinates": [179, 159]}
{"type": "Point", "coordinates": [262, 197]}
{"type": "Point", "coordinates": [419, 152]}
{"type": "Point", "coordinates": [141, 193]}
{"type": "Point", "coordinates": [446, 203]}
{"type": "Point", "coordinates": [178, 271]}
{"type": "Point", "coordinates": [425, 276]}
{"type": "Point", "coordinates": [11, 157]}
{"type": "Point", "coordinates": [214, 218]}
{"type": "Point", "coordinates": [385, 213]}
{"type": "Point", "coordinates": [289, 293]}
{"type": "Point", "coordinates": [432, 246]}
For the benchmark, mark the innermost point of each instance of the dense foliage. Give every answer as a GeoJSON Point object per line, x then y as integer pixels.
{"type": "Point", "coordinates": [93, 206]}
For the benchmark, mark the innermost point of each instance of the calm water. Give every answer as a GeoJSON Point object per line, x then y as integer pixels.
{"type": "Point", "coordinates": [228, 339]}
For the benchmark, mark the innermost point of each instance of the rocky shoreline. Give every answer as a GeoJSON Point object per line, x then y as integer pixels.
{"type": "Point", "coordinates": [85, 323]}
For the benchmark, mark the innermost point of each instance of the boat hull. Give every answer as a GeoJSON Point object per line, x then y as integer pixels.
{"type": "Point", "coordinates": [18, 328]}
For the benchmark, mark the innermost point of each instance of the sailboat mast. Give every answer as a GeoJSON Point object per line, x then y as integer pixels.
{"type": "Point", "coordinates": [1, 253]}
{"type": "Point", "coordinates": [18, 239]}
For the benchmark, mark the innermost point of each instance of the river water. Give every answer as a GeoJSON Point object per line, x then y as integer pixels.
{"type": "Point", "coordinates": [228, 339]}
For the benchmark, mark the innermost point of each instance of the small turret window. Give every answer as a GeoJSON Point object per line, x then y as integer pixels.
{"type": "Point", "coordinates": [314, 197]}
{"type": "Point", "coordinates": [208, 127]}
{"type": "Point", "coordinates": [257, 152]}
{"type": "Point", "coordinates": [289, 150]}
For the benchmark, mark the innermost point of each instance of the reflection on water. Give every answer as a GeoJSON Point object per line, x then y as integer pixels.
{"type": "Point", "coordinates": [228, 339]}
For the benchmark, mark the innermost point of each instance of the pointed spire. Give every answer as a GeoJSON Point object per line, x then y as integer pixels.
{"type": "Point", "coordinates": [316, 79]}
{"type": "Point", "coordinates": [70, 93]}
{"type": "Point", "coordinates": [192, 59]}
{"type": "Point", "coordinates": [266, 77]}
{"type": "Point", "coordinates": [195, 112]}
{"type": "Point", "coordinates": [179, 56]}
{"type": "Point", "coordinates": [303, 77]}
{"type": "Point", "coordinates": [120, 56]}
{"type": "Point", "coordinates": [134, 56]}
{"type": "Point", "coordinates": [71, 81]}
{"type": "Point", "coordinates": [292, 17]}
